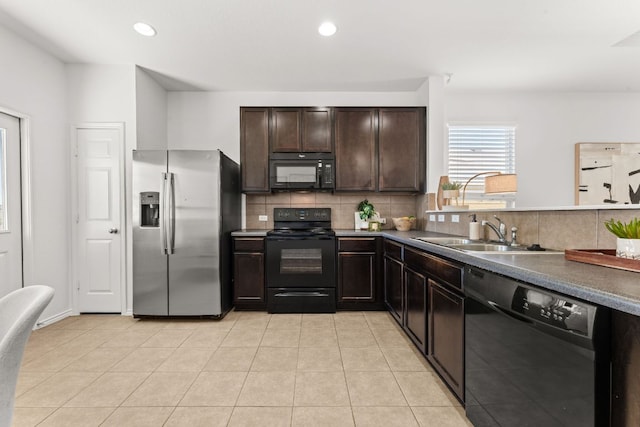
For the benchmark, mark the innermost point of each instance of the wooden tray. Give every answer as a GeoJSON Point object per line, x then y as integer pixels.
{"type": "Point", "coordinates": [603, 257]}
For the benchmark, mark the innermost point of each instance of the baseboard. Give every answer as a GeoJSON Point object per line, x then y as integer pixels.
{"type": "Point", "coordinates": [58, 317]}
{"type": "Point", "coordinates": [53, 319]}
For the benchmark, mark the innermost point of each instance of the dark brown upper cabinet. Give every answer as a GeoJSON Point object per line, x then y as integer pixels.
{"type": "Point", "coordinates": [376, 148]}
{"type": "Point", "coordinates": [355, 130]}
{"type": "Point", "coordinates": [316, 130]}
{"type": "Point", "coordinates": [401, 149]}
{"type": "Point", "coordinates": [254, 149]}
{"type": "Point", "coordinates": [285, 130]}
{"type": "Point", "coordinates": [301, 130]}
{"type": "Point", "coordinates": [380, 149]}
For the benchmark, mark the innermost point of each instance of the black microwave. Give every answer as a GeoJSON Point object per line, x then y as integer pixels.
{"type": "Point", "coordinates": [302, 171]}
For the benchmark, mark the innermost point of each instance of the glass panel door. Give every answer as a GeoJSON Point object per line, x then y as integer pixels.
{"type": "Point", "coordinates": [10, 205]}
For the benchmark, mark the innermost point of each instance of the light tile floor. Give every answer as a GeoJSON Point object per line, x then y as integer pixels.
{"type": "Point", "coordinates": [249, 369]}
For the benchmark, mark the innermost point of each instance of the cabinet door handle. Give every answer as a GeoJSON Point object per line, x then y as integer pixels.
{"type": "Point", "coordinates": [301, 294]}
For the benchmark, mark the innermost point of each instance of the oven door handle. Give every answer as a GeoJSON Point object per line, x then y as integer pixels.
{"type": "Point", "coordinates": [510, 314]}
{"type": "Point", "coordinates": [301, 294]}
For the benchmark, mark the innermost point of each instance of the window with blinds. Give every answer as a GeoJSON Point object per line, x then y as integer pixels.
{"type": "Point", "coordinates": [481, 148]}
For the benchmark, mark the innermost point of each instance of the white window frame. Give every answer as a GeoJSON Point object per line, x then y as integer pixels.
{"type": "Point", "coordinates": [495, 160]}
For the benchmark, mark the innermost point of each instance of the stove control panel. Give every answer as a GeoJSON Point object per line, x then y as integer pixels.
{"type": "Point", "coordinates": [299, 214]}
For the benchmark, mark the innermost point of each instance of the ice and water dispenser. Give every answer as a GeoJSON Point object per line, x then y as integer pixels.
{"type": "Point", "coordinates": [150, 209]}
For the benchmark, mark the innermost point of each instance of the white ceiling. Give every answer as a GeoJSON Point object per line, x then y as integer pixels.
{"type": "Point", "coordinates": [381, 45]}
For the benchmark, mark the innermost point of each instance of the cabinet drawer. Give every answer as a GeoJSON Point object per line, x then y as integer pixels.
{"type": "Point", "coordinates": [357, 244]}
{"type": "Point", "coordinates": [447, 271]}
{"type": "Point", "coordinates": [393, 250]}
{"type": "Point", "coordinates": [418, 260]}
{"type": "Point", "coordinates": [246, 244]}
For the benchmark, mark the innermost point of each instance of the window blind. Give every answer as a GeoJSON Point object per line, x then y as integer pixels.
{"type": "Point", "coordinates": [476, 149]}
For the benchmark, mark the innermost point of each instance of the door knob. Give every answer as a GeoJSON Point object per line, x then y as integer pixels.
{"type": "Point", "coordinates": [113, 230]}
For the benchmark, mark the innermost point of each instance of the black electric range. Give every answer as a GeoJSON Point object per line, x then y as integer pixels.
{"type": "Point", "coordinates": [301, 262]}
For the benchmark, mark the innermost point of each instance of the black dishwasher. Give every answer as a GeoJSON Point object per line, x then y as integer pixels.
{"type": "Point", "coordinates": [533, 357]}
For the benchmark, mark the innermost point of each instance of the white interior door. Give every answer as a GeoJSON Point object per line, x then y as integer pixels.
{"type": "Point", "coordinates": [10, 205]}
{"type": "Point", "coordinates": [99, 219]}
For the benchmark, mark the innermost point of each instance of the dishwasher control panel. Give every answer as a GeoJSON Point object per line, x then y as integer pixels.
{"type": "Point", "coordinates": [551, 309]}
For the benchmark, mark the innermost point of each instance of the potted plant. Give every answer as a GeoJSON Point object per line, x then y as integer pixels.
{"type": "Point", "coordinates": [365, 212]}
{"type": "Point", "coordinates": [451, 190]}
{"type": "Point", "coordinates": [628, 237]}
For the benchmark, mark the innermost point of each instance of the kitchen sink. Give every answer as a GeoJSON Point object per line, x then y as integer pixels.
{"type": "Point", "coordinates": [488, 247]}
{"type": "Point", "coordinates": [446, 240]}
{"type": "Point", "coordinates": [468, 245]}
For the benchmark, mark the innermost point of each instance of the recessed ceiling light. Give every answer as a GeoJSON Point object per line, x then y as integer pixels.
{"type": "Point", "coordinates": [144, 29]}
{"type": "Point", "coordinates": [327, 29]}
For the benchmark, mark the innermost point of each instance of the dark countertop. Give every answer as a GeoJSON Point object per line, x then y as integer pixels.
{"type": "Point", "coordinates": [249, 233]}
{"type": "Point", "coordinates": [609, 287]}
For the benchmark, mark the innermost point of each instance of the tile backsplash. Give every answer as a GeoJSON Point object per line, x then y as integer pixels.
{"type": "Point", "coordinates": [342, 205]}
{"type": "Point", "coordinates": [554, 229]}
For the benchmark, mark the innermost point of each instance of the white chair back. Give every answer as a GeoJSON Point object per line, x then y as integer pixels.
{"type": "Point", "coordinates": [19, 311]}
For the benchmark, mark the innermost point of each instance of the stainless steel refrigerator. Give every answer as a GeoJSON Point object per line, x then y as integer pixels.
{"type": "Point", "coordinates": [185, 205]}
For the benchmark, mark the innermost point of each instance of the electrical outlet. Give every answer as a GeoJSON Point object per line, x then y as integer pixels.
{"type": "Point", "coordinates": [263, 218]}
{"type": "Point", "coordinates": [455, 218]}
{"type": "Point", "coordinates": [440, 218]}
{"type": "Point", "coordinates": [383, 220]}
{"type": "Point", "coordinates": [432, 217]}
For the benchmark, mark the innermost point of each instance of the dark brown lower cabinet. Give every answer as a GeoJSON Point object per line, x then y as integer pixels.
{"type": "Point", "coordinates": [423, 293]}
{"type": "Point", "coordinates": [359, 284]}
{"type": "Point", "coordinates": [394, 280]}
{"type": "Point", "coordinates": [415, 286]}
{"type": "Point", "coordinates": [446, 335]}
{"type": "Point", "coordinates": [406, 292]}
{"type": "Point", "coordinates": [248, 274]}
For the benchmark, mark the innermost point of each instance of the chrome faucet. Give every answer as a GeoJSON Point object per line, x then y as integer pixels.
{"type": "Point", "coordinates": [499, 230]}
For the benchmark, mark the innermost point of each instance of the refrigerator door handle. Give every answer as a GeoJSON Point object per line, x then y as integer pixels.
{"type": "Point", "coordinates": [164, 213]}
{"type": "Point", "coordinates": [172, 214]}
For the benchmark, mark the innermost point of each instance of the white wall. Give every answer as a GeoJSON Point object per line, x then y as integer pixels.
{"type": "Point", "coordinates": [103, 93]}
{"type": "Point", "coordinates": [548, 126]}
{"type": "Point", "coordinates": [107, 93]}
{"type": "Point", "coordinates": [33, 84]}
{"type": "Point", "coordinates": [211, 120]}
{"type": "Point", "coordinates": [151, 113]}
{"type": "Point", "coordinates": [436, 141]}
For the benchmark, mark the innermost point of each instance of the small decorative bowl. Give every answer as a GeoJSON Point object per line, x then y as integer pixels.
{"type": "Point", "coordinates": [404, 223]}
